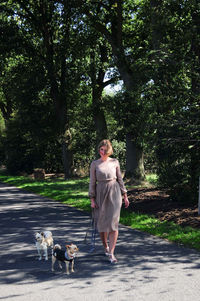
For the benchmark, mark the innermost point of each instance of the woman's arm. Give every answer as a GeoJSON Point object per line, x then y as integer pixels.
{"type": "Point", "coordinates": [92, 185]}
{"type": "Point", "coordinates": [121, 184]}
{"type": "Point", "coordinates": [93, 203]}
{"type": "Point", "coordinates": [119, 178]}
{"type": "Point", "coordinates": [126, 201]}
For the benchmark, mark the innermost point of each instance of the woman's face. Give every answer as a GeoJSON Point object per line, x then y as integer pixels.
{"type": "Point", "coordinates": [103, 152]}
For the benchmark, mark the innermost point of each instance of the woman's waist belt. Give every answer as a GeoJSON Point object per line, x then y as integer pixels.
{"type": "Point", "coordinates": [106, 180]}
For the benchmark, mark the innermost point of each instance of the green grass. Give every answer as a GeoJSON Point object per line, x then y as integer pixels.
{"type": "Point", "coordinates": [74, 192]}
{"type": "Point", "coordinates": [70, 192]}
{"type": "Point", "coordinates": [186, 236]}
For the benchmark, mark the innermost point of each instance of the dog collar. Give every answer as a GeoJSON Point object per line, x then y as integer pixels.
{"type": "Point", "coordinates": [68, 257]}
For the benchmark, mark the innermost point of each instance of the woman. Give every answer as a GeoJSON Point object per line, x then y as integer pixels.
{"type": "Point", "coordinates": [105, 191]}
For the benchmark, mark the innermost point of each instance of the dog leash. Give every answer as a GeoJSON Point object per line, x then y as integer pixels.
{"type": "Point", "coordinates": [94, 231]}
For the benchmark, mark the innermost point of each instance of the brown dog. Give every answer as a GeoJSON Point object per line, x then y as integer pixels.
{"type": "Point", "coordinates": [67, 256]}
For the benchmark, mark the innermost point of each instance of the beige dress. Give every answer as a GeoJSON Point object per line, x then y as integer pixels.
{"type": "Point", "coordinates": [107, 187]}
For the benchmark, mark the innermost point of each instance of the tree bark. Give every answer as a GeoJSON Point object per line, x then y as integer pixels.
{"type": "Point", "coordinates": [134, 159]}
{"type": "Point", "coordinates": [98, 84]}
{"type": "Point", "coordinates": [98, 115]}
{"type": "Point", "coordinates": [67, 159]}
{"type": "Point", "coordinates": [100, 125]}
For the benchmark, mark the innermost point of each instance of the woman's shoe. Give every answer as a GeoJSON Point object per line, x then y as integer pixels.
{"type": "Point", "coordinates": [112, 258]}
{"type": "Point", "coordinates": [107, 251]}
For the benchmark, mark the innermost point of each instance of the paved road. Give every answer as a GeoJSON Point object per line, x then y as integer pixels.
{"type": "Point", "coordinates": [149, 268]}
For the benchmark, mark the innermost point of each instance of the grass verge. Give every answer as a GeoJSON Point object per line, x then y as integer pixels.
{"type": "Point", "coordinates": [74, 192]}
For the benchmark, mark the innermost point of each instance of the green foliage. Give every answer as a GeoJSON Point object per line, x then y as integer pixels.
{"type": "Point", "coordinates": [36, 146]}
{"type": "Point", "coordinates": [152, 179]}
{"type": "Point", "coordinates": [83, 133]}
{"type": "Point", "coordinates": [173, 131]}
{"type": "Point", "coordinates": [178, 155]}
{"type": "Point", "coordinates": [2, 124]}
{"type": "Point", "coordinates": [50, 55]}
{"type": "Point", "coordinates": [119, 152]}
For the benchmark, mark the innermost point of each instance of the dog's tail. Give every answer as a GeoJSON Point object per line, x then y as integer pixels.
{"type": "Point", "coordinates": [57, 246]}
{"type": "Point", "coordinates": [54, 248]}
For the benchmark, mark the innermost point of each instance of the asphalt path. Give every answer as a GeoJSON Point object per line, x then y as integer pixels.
{"type": "Point", "coordinates": [148, 268]}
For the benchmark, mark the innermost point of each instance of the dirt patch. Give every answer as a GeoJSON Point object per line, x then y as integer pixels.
{"type": "Point", "coordinates": [158, 203]}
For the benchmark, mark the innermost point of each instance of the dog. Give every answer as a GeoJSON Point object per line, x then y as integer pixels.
{"type": "Point", "coordinates": [43, 240]}
{"type": "Point", "coordinates": [67, 256]}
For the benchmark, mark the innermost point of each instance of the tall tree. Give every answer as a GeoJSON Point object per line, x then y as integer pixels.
{"type": "Point", "coordinates": [50, 26]}
{"type": "Point", "coordinates": [113, 20]}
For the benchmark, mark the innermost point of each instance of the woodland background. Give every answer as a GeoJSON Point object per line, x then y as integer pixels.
{"type": "Point", "coordinates": [57, 58]}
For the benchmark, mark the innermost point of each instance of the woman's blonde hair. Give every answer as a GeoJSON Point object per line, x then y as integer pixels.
{"type": "Point", "coordinates": [107, 143]}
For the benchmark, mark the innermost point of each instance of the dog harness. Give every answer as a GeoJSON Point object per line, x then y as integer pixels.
{"type": "Point", "coordinates": [62, 255]}
{"type": "Point", "coordinates": [69, 258]}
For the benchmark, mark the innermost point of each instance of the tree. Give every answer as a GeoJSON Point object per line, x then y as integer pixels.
{"type": "Point", "coordinates": [174, 98]}
{"type": "Point", "coordinates": [113, 19]}
{"type": "Point", "coordinates": [99, 66]}
{"type": "Point", "coordinates": [50, 27]}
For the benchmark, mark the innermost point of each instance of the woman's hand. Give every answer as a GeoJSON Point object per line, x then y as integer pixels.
{"type": "Point", "coordinates": [126, 201]}
{"type": "Point", "coordinates": [93, 203]}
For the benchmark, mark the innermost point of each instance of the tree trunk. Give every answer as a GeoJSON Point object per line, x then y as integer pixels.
{"type": "Point", "coordinates": [67, 160]}
{"type": "Point", "coordinates": [134, 154]}
{"type": "Point", "coordinates": [67, 156]}
{"type": "Point", "coordinates": [57, 81]}
{"type": "Point", "coordinates": [98, 115]}
{"type": "Point", "coordinates": [100, 125]}
{"type": "Point", "coordinates": [134, 159]}
{"type": "Point", "coordinates": [98, 84]}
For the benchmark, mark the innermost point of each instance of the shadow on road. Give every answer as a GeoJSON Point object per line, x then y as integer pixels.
{"type": "Point", "coordinates": [23, 213]}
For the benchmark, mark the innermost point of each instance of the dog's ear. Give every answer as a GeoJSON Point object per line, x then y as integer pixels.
{"type": "Point", "coordinates": [68, 246]}
{"type": "Point", "coordinates": [42, 233]}
{"type": "Point", "coordinates": [68, 243]}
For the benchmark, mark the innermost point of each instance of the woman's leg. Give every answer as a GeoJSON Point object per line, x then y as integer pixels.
{"type": "Point", "coordinates": [112, 241]}
{"type": "Point", "coordinates": [112, 244]}
{"type": "Point", "coordinates": [104, 239]}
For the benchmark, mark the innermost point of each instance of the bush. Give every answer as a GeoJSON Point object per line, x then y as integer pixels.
{"type": "Point", "coordinates": [27, 147]}
{"type": "Point", "coordinates": [178, 166]}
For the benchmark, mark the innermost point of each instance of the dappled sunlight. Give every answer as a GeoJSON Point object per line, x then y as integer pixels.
{"type": "Point", "coordinates": [71, 192]}
{"type": "Point", "coordinates": [165, 229]}
{"type": "Point", "coordinates": [143, 260]}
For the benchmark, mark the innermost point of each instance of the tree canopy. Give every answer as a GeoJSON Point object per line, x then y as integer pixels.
{"type": "Point", "coordinates": [58, 56]}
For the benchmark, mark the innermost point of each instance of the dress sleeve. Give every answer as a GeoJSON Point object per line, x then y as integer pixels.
{"type": "Point", "coordinates": [92, 185]}
{"type": "Point", "coordinates": [119, 179]}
